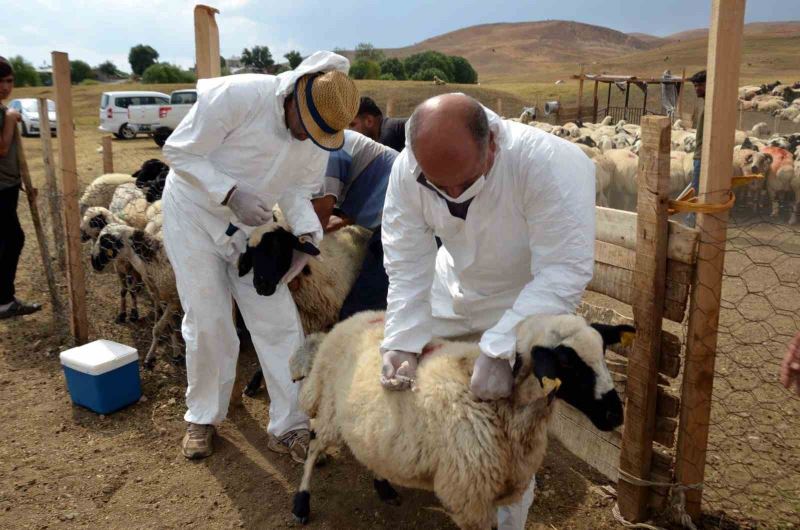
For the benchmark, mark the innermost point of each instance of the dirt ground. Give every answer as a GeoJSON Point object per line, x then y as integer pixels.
{"type": "Point", "coordinates": [63, 466]}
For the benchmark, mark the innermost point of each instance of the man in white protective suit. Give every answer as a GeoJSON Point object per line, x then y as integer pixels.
{"type": "Point", "coordinates": [239, 151]}
{"type": "Point", "coordinates": [514, 209]}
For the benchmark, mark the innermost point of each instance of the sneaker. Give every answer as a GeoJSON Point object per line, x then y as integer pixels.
{"type": "Point", "coordinates": [18, 308]}
{"type": "Point", "coordinates": [197, 441]}
{"type": "Point", "coordinates": [293, 443]}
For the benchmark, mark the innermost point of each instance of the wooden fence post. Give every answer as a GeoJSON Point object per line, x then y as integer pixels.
{"type": "Point", "coordinates": [69, 187]}
{"type": "Point", "coordinates": [108, 155]}
{"type": "Point", "coordinates": [390, 108]}
{"type": "Point", "coordinates": [680, 95]}
{"type": "Point", "coordinates": [594, 103]}
{"type": "Point", "coordinates": [648, 308]}
{"type": "Point", "coordinates": [724, 56]}
{"type": "Point", "coordinates": [56, 224]}
{"type": "Point", "coordinates": [580, 95]}
{"type": "Point", "coordinates": [206, 42]}
{"type": "Point", "coordinates": [499, 107]}
{"type": "Point", "coordinates": [30, 192]}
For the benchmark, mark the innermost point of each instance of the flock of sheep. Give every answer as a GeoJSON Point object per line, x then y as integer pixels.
{"type": "Point", "coordinates": [614, 149]}
{"type": "Point", "coordinates": [782, 101]}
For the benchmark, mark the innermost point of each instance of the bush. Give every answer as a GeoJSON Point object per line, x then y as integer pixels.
{"type": "Point", "coordinates": [367, 52]}
{"type": "Point", "coordinates": [141, 57]}
{"type": "Point", "coordinates": [463, 72]}
{"type": "Point", "coordinates": [87, 82]}
{"type": "Point", "coordinates": [79, 70]}
{"type": "Point", "coordinates": [428, 75]}
{"type": "Point", "coordinates": [418, 62]}
{"type": "Point", "coordinates": [394, 66]}
{"type": "Point", "coordinates": [365, 70]}
{"type": "Point", "coordinates": [387, 77]}
{"type": "Point", "coordinates": [24, 72]}
{"type": "Point", "coordinates": [167, 73]}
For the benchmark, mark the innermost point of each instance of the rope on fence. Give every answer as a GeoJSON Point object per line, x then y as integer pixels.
{"type": "Point", "coordinates": [677, 502]}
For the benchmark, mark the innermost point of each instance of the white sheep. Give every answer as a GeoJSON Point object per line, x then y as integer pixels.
{"type": "Point", "coordinates": [474, 455]}
{"type": "Point", "coordinates": [94, 220]}
{"type": "Point", "coordinates": [155, 219]}
{"type": "Point", "coordinates": [100, 191]}
{"type": "Point", "coordinates": [782, 178]}
{"type": "Point", "coordinates": [147, 256]}
{"type": "Point", "coordinates": [129, 203]}
{"type": "Point", "coordinates": [681, 170]}
{"type": "Point", "coordinates": [623, 179]}
{"type": "Point", "coordinates": [750, 162]}
{"type": "Point", "coordinates": [759, 130]}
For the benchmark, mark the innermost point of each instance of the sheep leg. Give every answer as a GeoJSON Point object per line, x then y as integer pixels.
{"type": "Point", "coordinates": [178, 355]}
{"type": "Point", "coordinates": [301, 506]}
{"type": "Point", "coordinates": [158, 329]}
{"type": "Point", "coordinates": [255, 383]}
{"type": "Point", "coordinates": [386, 492]}
{"type": "Point", "coordinates": [793, 220]}
{"type": "Point", "coordinates": [132, 290]}
{"type": "Point", "coordinates": [123, 290]}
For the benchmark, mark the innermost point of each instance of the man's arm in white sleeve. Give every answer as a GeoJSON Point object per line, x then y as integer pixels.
{"type": "Point", "coordinates": [409, 251]}
{"type": "Point", "coordinates": [560, 210]}
{"type": "Point", "coordinates": [295, 202]}
{"type": "Point", "coordinates": [217, 112]}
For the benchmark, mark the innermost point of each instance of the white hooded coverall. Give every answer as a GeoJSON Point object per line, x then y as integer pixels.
{"type": "Point", "coordinates": [525, 248]}
{"type": "Point", "coordinates": [236, 134]}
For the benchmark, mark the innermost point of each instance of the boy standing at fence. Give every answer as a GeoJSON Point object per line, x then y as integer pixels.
{"type": "Point", "coordinates": [12, 238]}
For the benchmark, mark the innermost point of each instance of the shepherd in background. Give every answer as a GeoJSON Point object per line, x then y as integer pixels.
{"type": "Point", "coordinates": [371, 122]}
{"type": "Point", "coordinates": [12, 238]}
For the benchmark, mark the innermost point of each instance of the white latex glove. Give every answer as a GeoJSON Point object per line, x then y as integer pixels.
{"type": "Point", "coordinates": [249, 207]}
{"type": "Point", "coordinates": [299, 260]}
{"type": "Point", "coordinates": [399, 370]}
{"type": "Point", "coordinates": [492, 378]}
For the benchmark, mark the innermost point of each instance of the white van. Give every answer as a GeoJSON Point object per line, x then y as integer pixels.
{"type": "Point", "coordinates": [114, 110]}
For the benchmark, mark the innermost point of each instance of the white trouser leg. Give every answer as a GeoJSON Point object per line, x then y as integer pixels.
{"type": "Point", "coordinates": [275, 328]}
{"type": "Point", "coordinates": [212, 346]}
{"type": "Point", "coordinates": [513, 516]}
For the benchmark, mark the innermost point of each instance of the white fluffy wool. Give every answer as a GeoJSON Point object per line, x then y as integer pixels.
{"type": "Point", "coordinates": [100, 191]}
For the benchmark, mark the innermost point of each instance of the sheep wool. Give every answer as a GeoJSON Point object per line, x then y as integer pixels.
{"type": "Point", "coordinates": [100, 191]}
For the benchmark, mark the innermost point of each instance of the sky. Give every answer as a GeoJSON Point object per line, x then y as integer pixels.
{"type": "Point", "coordinates": [98, 30]}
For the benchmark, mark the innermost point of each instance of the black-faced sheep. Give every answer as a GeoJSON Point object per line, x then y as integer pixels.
{"type": "Point", "coordinates": [130, 283]}
{"type": "Point", "coordinates": [474, 455]}
{"type": "Point", "coordinates": [147, 256]}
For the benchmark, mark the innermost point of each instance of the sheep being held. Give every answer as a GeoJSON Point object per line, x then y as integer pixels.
{"type": "Point", "coordinates": [474, 455]}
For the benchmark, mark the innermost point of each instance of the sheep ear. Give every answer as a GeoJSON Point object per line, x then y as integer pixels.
{"type": "Point", "coordinates": [623, 333]}
{"type": "Point", "coordinates": [304, 244]}
{"type": "Point", "coordinates": [98, 222]}
{"type": "Point", "coordinates": [245, 261]}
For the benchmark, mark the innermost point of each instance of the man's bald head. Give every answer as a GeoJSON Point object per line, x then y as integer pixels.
{"type": "Point", "coordinates": [451, 141]}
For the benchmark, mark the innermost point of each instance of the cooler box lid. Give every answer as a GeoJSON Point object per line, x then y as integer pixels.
{"type": "Point", "coordinates": [99, 357]}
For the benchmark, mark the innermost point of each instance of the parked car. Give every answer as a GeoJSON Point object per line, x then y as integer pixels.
{"type": "Point", "coordinates": [29, 109]}
{"type": "Point", "coordinates": [114, 110]}
{"type": "Point", "coordinates": [161, 120]}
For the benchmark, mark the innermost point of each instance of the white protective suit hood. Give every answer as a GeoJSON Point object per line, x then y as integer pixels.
{"type": "Point", "coordinates": [316, 62]}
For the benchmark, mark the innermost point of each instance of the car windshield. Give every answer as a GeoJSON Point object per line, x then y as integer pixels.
{"type": "Point", "coordinates": [33, 106]}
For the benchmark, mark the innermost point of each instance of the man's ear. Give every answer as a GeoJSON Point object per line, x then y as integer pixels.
{"type": "Point", "coordinates": [245, 261]}
{"type": "Point", "coordinates": [623, 333]}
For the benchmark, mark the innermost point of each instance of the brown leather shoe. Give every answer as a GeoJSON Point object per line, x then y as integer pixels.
{"type": "Point", "coordinates": [293, 443]}
{"type": "Point", "coordinates": [197, 441]}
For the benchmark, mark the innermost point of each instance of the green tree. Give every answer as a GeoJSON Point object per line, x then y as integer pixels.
{"type": "Point", "coordinates": [24, 72]}
{"type": "Point", "coordinates": [362, 69]}
{"type": "Point", "coordinates": [422, 61]}
{"type": "Point", "coordinates": [365, 51]}
{"type": "Point", "coordinates": [259, 58]}
{"type": "Point", "coordinates": [294, 58]}
{"type": "Point", "coordinates": [395, 67]}
{"type": "Point", "coordinates": [387, 77]}
{"type": "Point", "coordinates": [428, 75]}
{"type": "Point", "coordinates": [167, 73]}
{"type": "Point", "coordinates": [141, 57]}
{"type": "Point", "coordinates": [79, 70]}
{"type": "Point", "coordinates": [463, 72]}
{"type": "Point", "coordinates": [108, 69]}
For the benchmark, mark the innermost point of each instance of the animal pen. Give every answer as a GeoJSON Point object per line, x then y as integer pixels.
{"type": "Point", "coordinates": [692, 436]}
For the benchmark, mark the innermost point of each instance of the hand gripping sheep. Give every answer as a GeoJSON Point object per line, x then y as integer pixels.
{"type": "Point", "coordinates": [474, 455]}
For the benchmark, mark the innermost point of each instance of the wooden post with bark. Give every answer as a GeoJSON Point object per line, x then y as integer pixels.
{"type": "Point", "coordinates": [724, 57]}
{"type": "Point", "coordinates": [594, 103]}
{"type": "Point", "coordinates": [69, 197]}
{"type": "Point", "coordinates": [580, 95]}
{"type": "Point", "coordinates": [30, 192]}
{"type": "Point", "coordinates": [499, 107]}
{"type": "Point", "coordinates": [648, 309]}
{"type": "Point", "coordinates": [56, 224]}
{"type": "Point", "coordinates": [680, 94]}
{"type": "Point", "coordinates": [206, 42]}
{"type": "Point", "coordinates": [390, 108]}
{"type": "Point", "coordinates": [108, 155]}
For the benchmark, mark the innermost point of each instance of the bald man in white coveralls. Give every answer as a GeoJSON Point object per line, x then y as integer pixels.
{"type": "Point", "coordinates": [514, 208]}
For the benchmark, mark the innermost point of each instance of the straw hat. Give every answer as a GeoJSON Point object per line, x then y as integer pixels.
{"type": "Point", "coordinates": [327, 102]}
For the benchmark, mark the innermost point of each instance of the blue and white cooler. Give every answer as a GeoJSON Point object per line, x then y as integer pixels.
{"type": "Point", "coordinates": [102, 376]}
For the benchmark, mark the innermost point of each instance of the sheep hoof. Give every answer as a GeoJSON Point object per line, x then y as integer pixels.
{"type": "Point", "coordinates": [301, 507]}
{"type": "Point", "coordinates": [121, 317]}
{"type": "Point", "coordinates": [134, 316]}
{"type": "Point", "coordinates": [386, 492]}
